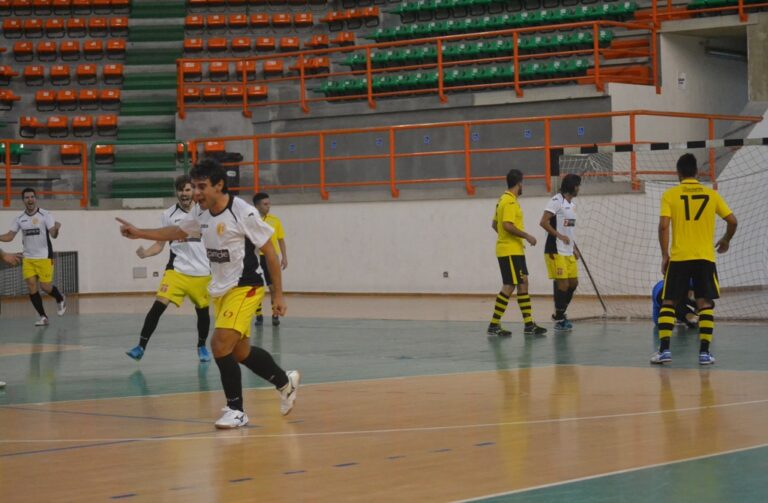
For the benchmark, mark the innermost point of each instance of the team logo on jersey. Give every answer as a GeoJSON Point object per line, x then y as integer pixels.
{"type": "Point", "coordinates": [34, 221]}
{"type": "Point", "coordinates": [164, 288]}
{"type": "Point", "coordinates": [220, 228]}
{"type": "Point", "coordinates": [569, 222]}
{"type": "Point", "coordinates": [218, 256]}
{"type": "Point", "coordinates": [227, 314]}
{"type": "Point", "coordinates": [32, 232]}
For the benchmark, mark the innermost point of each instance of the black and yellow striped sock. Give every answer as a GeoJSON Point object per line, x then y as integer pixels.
{"type": "Point", "coordinates": [500, 308]}
{"type": "Point", "coordinates": [524, 302]}
{"type": "Point", "coordinates": [258, 310]}
{"type": "Point", "coordinates": [706, 328]}
{"type": "Point", "coordinates": [666, 324]}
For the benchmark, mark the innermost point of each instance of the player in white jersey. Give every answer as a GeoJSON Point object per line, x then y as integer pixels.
{"type": "Point", "coordinates": [232, 230]}
{"type": "Point", "coordinates": [37, 227]}
{"type": "Point", "coordinates": [560, 251]}
{"type": "Point", "coordinates": [187, 274]}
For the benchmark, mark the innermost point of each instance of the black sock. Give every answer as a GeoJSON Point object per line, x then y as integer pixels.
{"type": "Point", "coordinates": [703, 346]}
{"type": "Point", "coordinates": [150, 322]}
{"type": "Point", "coordinates": [570, 295]}
{"type": "Point", "coordinates": [37, 301]}
{"type": "Point", "coordinates": [261, 363]}
{"type": "Point", "coordinates": [56, 294]}
{"type": "Point", "coordinates": [231, 381]}
{"type": "Point", "coordinates": [664, 344]}
{"type": "Point", "coordinates": [203, 325]}
{"type": "Point", "coordinates": [561, 303]}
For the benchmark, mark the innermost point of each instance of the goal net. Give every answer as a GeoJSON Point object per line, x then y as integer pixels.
{"type": "Point", "coordinates": [617, 228]}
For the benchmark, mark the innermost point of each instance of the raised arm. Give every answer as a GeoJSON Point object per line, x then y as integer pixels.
{"type": "Point", "coordinates": [170, 233]}
{"type": "Point", "coordinates": [54, 231]}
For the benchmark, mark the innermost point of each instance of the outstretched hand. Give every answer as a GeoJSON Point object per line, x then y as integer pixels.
{"type": "Point", "coordinates": [127, 229]}
{"type": "Point", "coordinates": [11, 258]}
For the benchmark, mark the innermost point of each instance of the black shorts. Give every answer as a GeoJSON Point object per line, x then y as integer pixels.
{"type": "Point", "coordinates": [265, 270]}
{"type": "Point", "coordinates": [697, 275]}
{"type": "Point", "coordinates": [513, 268]}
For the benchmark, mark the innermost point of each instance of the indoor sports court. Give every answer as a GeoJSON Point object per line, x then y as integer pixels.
{"type": "Point", "coordinates": [392, 407]}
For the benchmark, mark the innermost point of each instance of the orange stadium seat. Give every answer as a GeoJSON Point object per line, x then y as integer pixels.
{"type": "Point", "coordinates": [22, 7]}
{"type": "Point", "coordinates": [66, 99]}
{"type": "Point", "coordinates": [70, 154]}
{"type": "Point", "coordinates": [58, 126]}
{"type": "Point", "coordinates": [101, 6]}
{"type": "Point", "coordinates": [45, 101]}
{"type": "Point", "coordinates": [335, 20]}
{"type": "Point", "coordinates": [43, 7]}
{"type": "Point", "coordinates": [273, 67]}
{"type": "Point", "coordinates": [86, 74]}
{"type": "Point", "coordinates": [281, 20]}
{"type": "Point", "coordinates": [303, 19]}
{"type": "Point", "coordinates": [197, 5]}
{"type": "Point", "coordinates": [241, 44]}
{"type": "Point", "coordinates": [318, 42]}
{"type": "Point", "coordinates": [33, 28]}
{"type": "Point", "coordinates": [237, 21]}
{"type": "Point", "coordinates": [34, 75]}
{"type": "Point", "coordinates": [62, 6]}
{"type": "Point", "coordinates": [60, 75]}
{"type": "Point", "coordinates": [193, 45]}
{"type": "Point", "coordinates": [7, 99]}
{"type": "Point", "coordinates": [6, 74]}
{"type": "Point", "coordinates": [215, 22]}
{"type": "Point", "coordinates": [214, 147]}
{"type": "Point", "coordinates": [120, 6]}
{"type": "Point", "coordinates": [118, 26]}
{"type": "Point", "coordinates": [12, 28]}
{"type": "Point", "coordinates": [233, 93]}
{"type": "Point", "coordinates": [218, 70]}
{"type": "Point", "coordinates": [289, 44]}
{"type": "Point", "coordinates": [104, 154]}
{"type": "Point", "coordinates": [81, 6]}
{"type": "Point", "coordinates": [69, 50]}
{"type": "Point", "coordinates": [23, 51]}
{"type": "Point", "coordinates": [191, 94]}
{"type": "Point", "coordinates": [88, 99]}
{"type": "Point", "coordinates": [82, 125]}
{"type": "Point", "coordinates": [76, 27]}
{"type": "Point", "coordinates": [260, 20]}
{"type": "Point", "coordinates": [29, 126]}
{"type": "Point", "coordinates": [113, 73]}
{"type": "Point", "coordinates": [344, 38]}
{"type": "Point", "coordinates": [192, 71]}
{"type": "Point", "coordinates": [212, 93]}
{"type": "Point", "coordinates": [93, 49]}
{"type": "Point", "coordinates": [250, 69]}
{"type": "Point", "coordinates": [54, 27]}
{"type": "Point", "coordinates": [265, 44]}
{"type": "Point", "coordinates": [256, 92]}
{"type": "Point", "coordinates": [97, 27]}
{"type": "Point", "coordinates": [5, 8]}
{"type": "Point", "coordinates": [46, 50]}
{"type": "Point", "coordinates": [109, 98]}
{"type": "Point", "coordinates": [216, 4]}
{"type": "Point", "coordinates": [217, 44]}
{"type": "Point", "coordinates": [194, 22]}
{"type": "Point", "coordinates": [116, 48]}
{"type": "Point", "coordinates": [106, 125]}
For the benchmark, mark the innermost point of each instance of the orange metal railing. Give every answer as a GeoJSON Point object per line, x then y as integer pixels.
{"type": "Point", "coordinates": [303, 78]}
{"type": "Point", "coordinates": [465, 150]}
{"type": "Point", "coordinates": [667, 12]}
{"type": "Point", "coordinates": [81, 167]}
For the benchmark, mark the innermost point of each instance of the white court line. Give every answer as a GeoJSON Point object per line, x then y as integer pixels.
{"type": "Point", "coordinates": [608, 474]}
{"type": "Point", "coordinates": [425, 429]}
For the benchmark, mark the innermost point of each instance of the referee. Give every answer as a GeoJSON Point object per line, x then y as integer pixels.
{"type": "Point", "coordinates": [690, 209]}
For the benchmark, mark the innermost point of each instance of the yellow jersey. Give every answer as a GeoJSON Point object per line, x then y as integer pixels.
{"type": "Point", "coordinates": [691, 208]}
{"type": "Point", "coordinates": [508, 210]}
{"type": "Point", "coordinates": [279, 233]}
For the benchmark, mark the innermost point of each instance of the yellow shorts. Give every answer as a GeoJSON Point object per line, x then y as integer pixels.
{"type": "Point", "coordinates": [561, 266]}
{"type": "Point", "coordinates": [40, 267]}
{"type": "Point", "coordinates": [236, 308]}
{"type": "Point", "coordinates": [175, 286]}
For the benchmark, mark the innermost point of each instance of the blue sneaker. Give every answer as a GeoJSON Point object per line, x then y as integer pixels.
{"type": "Point", "coordinates": [662, 357]}
{"type": "Point", "coordinates": [706, 359]}
{"type": "Point", "coordinates": [568, 324]}
{"type": "Point", "coordinates": [561, 325]}
{"type": "Point", "coordinates": [203, 354]}
{"type": "Point", "coordinates": [136, 353]}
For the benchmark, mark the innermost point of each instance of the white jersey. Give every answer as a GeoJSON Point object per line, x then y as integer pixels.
{"type": "Point", "coordinates": [231, 239]}
{"type": "Point", "coordinates": [564, 222]}
{"type": "Point", "coordinates": [34, 230]}
{"type": "Point", "coordinates": [188, 256]}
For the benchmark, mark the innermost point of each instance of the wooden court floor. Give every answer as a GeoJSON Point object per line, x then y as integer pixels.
{"type": "Point", "coordinates": [389, 410]}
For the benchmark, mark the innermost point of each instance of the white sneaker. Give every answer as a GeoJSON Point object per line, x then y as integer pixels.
{"type": "Point", "coordinates": [2, 384]}
{"type": "Point", "coordinates": [288, 392]}
{"type": "Point", "coordinates": [62, 307]}
{"type": "Point", "coordinates": [231, 419]}
{"type": "Point", "coordinates": [42, 322]}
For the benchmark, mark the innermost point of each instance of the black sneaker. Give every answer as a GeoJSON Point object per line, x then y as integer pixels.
{"type": "Point", "coordinates": [275, 321]}
{"type": "Point", "coordinates": [534, 329]}
{"type": "Point", "coordinates": [498, 331]}
{"type": "Point", "coordinates": [259, 320]}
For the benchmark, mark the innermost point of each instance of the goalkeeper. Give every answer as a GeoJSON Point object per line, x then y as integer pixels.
{"type": "Point", "coordinates": [685, 310]}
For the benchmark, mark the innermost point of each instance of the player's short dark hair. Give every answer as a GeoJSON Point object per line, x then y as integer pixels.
{"type": "Point", "coordinates": [260, 196]}
{"type": "Point", "coordinates": [28, 189]}
{"type": "Point", "coordinates": [514, 177]}
{"type": "Point", "coordinates": [210, 169]}
{"type": "Point", "coordinates": [686, 166]}
{"type": "Point", "coordinates": [569, 183]}
{"type": "Point", "coordinates": [181, 182]}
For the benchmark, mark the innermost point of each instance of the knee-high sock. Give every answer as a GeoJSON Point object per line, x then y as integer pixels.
{"type": "Point", "coordinates": [150, 322]}
{"type": "Point", "coordinates": [261, 363]}
{"type": "Point", "coordinates": [203, 325]}
{"type": "Point", "coordinates": [231, 381]}
{"type": "Point", "coordinates": [56, 294]}
{"type": "Point", "coordinates": [706, 328]}
{"type": "Point", "coordinates": [259, 311]}
{"type": "Point", "coordinates": [37, 301]}
{"type": "Point", "coordinates": [561, 303]}
{"type": "Point", "coordinates": [666, 324]}
{"type": "Point", "coordinates": [502, 301]}
{"type": "Point", "coordinates": [524, 303]}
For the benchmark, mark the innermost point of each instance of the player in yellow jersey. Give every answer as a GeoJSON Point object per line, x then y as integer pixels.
{"type": "Point", "coordinates": [510, 250]}
{"type": "Point", "coordinates": [261, 202]}
{"type": "Point", "coordinates": [690, 209]}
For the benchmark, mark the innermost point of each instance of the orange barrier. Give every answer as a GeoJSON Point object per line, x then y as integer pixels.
{"type": "Point", "coordinates": [66, 148]}
{"type": "Point", "coordinates": [245, 65]}
{"type": "Point", "coordinates": [465, 150]}
{"type": "Point", "coordinates": [658, 13]}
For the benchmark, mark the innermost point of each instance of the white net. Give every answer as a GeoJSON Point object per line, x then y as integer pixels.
{"type": "Point", "coordinates": [617, 228]}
